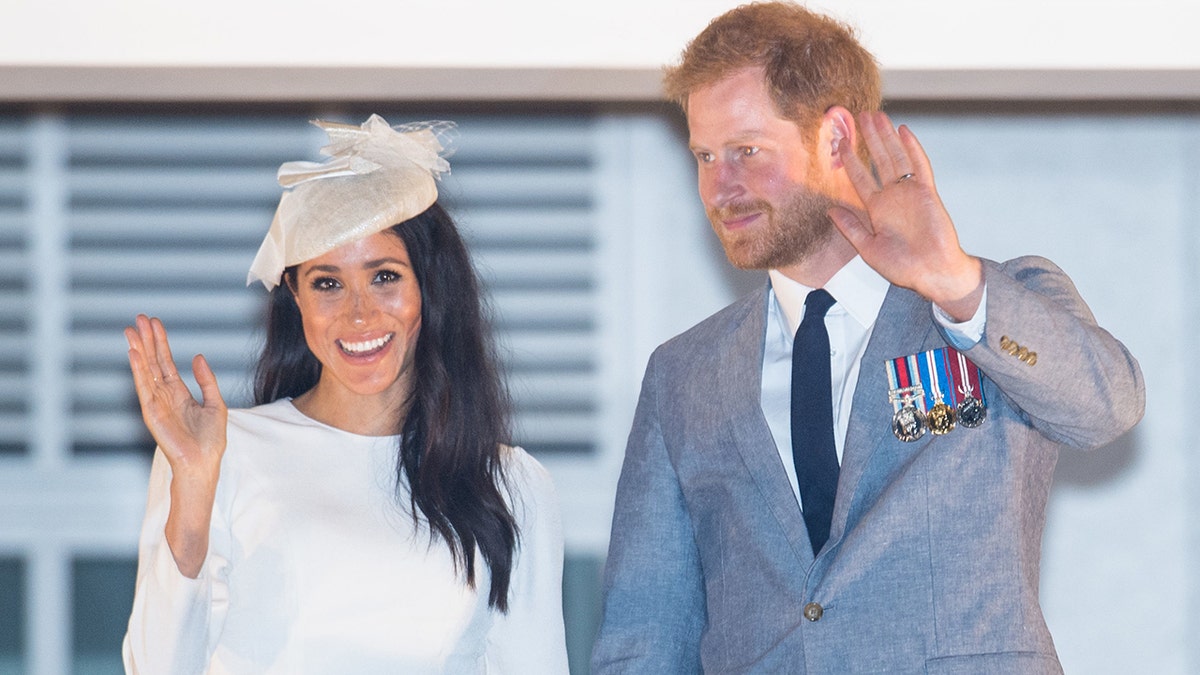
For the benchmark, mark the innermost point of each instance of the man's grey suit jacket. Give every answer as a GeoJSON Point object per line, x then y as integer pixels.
{"type": "Point", "coordinates": [933, 557]}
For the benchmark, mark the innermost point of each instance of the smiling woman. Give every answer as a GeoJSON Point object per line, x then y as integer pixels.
{"type": "Point", "coordinates": [274, 540]}
{"type": "Point", "coordinates": [361, 310]}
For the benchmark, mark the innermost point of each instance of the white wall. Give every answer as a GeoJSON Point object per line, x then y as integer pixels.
{"type": "Point", "coordinates": [929, 34]}
{"type": "Point", "coordinates": [398, 49]}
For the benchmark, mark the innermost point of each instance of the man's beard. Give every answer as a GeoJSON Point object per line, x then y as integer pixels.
{"type": "Point", "coordinates": [792, 233]}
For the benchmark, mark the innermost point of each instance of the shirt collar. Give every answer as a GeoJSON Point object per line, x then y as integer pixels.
{"type": "Point", "coordinates": [858, 289]}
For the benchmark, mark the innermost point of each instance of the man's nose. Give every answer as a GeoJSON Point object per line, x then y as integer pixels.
{"type": "Point", "coordinates": [720, 184]}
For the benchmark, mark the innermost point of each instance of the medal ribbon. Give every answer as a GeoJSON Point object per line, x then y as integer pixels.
{"type": "Point", "coordinates": [965, 376]}
{"type": "Point", "coordinates": [893, 373]}
{"type": "Point", "coordinates": [938, 378]}
{"type": "Point", "coordinates": [933, 395]}
{"type": "Point", "coordinates": [920, 377]}
{"type": "Point", "coordinates": [904, 378]}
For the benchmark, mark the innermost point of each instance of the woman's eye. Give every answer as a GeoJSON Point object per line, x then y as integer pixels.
{"type": "Point", "coordinates": [386, 277]}
{"type": "Point", "coordinates": [325, 284]}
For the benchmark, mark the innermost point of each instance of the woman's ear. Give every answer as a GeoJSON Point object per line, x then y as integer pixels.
{"type": "Point", "coordinates": [289, 279]}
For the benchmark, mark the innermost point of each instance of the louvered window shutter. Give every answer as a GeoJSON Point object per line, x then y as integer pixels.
{"type": "Point", "coordinates": [164, 216]}
{"type": "Point", "coordinates": [522, 191]}
{"type": "Point", "coordinates": [15, 293]}
{"type": "Point", "coordinates": [15, 300]}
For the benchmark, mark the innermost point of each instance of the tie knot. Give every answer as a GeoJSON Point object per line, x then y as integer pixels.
{"type": "Point", "coordinates": [817, 303]}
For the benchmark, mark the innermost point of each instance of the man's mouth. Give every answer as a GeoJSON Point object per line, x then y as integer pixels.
{"type": "Point", "coordinates": [739, 216]}
{"type": "Point", "coordinates": [738, 221]}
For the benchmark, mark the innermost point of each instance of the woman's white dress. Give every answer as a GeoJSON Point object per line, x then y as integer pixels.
{"type": "Point", "coordinates": [315, 566]}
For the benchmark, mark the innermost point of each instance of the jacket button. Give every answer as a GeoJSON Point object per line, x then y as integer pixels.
{"type": "Point", "coordinates": [813, 611]}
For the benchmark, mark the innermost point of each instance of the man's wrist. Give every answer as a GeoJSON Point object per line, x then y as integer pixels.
{"type": "Point", "coordinates": [959, 295]}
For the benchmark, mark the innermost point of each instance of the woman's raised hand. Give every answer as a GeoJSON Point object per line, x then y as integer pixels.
{"type": "Point", "coordinates": [191, 434]}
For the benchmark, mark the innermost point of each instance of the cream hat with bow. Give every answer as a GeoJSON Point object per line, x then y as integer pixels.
{"type": "Point", "coordinates": [376, 176]}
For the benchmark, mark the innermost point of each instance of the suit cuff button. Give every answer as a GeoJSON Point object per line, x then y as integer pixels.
{"type": "Point", "coordinates": [813, 611]}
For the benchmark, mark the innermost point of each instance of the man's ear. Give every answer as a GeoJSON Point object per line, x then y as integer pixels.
{"type": "Point", "coordinates": [838, 131]}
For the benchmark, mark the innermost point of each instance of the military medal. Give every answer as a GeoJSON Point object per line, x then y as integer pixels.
{"type": "Point", "coordinates": [968, 388]}
{"type": "Point", "coordinates": [908, 399]}
{"type": "Point", "coordinates": [971, 412]}
{"type": "Point", "coordinates": [909, 424]}
{"type": "Point", "coordinates": [937, 390]}
{"type": "Point", "coordinates": [941, 416]}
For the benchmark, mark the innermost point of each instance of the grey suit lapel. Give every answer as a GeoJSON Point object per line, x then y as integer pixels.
{"type": "Point", "coordinates": [904, 326]}
{"type": "Point", "coordinates": [739, 376]}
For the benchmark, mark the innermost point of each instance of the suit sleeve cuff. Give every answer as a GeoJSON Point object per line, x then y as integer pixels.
{"type": "Point", "coordinates": [968, 333]}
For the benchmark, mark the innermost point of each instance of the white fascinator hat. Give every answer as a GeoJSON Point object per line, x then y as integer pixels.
{"type": "Point", "coordinates": [376, 176]}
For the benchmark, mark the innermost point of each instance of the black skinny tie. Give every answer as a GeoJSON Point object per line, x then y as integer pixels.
{"type": "Point", "coordinates": [812, 419]}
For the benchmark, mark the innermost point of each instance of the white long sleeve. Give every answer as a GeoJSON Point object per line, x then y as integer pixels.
{"type": "Point", "coordinates": [165, 597]}
{"type": "Point", "coordinates": [315, 566]}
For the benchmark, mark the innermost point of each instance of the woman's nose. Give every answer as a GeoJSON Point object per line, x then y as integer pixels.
{"type": "Point", "coordinates": [361, 307]}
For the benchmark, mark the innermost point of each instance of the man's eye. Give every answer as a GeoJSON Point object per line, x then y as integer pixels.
{"type": "Point", "coordinates": [749, 151]}
{"type": "Point", "coordinates": [703, 157]}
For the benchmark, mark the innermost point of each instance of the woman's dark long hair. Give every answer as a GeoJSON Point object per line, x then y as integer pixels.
{"type": "Point", "coordinates": [458, 415]}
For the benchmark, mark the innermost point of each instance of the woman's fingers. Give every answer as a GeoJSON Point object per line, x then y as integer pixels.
{"type": "Point", "coordinates": [155, 377]}
{"type": "Point", "coordinates": [162, 350]}
{"type": "Point", "coordinates": [154, 373]}
{"type": "Point", "coordinates": [145, 344]}
{"type": "Point", "coordinates": [208, 383]}
{"type": "Point", "coordinates": [148, 336]}
{"type": "Point", "coordinates": [143, 361]}
{"type": "Point", "coordinates": [137, 364]}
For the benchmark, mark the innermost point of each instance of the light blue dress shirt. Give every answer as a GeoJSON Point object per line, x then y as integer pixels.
{"type": "Point", "coordinates": [859, 292]}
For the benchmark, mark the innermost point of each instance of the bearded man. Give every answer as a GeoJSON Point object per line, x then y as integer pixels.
{"type": "Point", "coordinates": [847, 470]}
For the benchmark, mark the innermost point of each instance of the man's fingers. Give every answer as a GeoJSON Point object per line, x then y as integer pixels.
{"type": "Point", "coordinates": [850, 225]}
{"type": "Point", "coordinates": [860, 177]}
{"type": "Point", "coordinates": [889, 151]}
{"type": "Point", "coordinates": [894, 147]}
{"type": "Point", "coordinates": [916, 154]}
{"type": "Point", "coordinates": [879, 156]}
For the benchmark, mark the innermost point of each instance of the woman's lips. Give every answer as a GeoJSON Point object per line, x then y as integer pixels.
{"type": "Point", "coordinates": [365, 347]}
